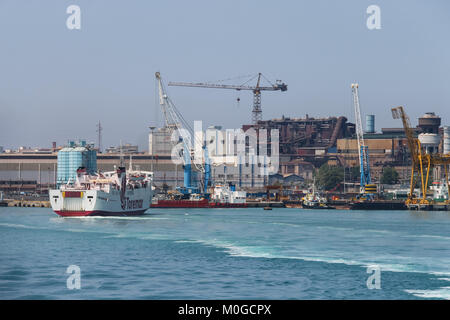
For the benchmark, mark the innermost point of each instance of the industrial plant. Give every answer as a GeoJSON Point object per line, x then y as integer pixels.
{"type": "Point", "coordinates": [418, 155]}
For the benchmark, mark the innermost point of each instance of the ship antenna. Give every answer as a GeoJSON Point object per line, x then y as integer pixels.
{"type": "Point", "coordinates": [131, 166]}
{"type": "Point", "coordinates": [121, 154]}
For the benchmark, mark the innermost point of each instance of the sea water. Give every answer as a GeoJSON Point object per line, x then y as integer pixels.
{"type": "Point", "coordinates": [226, 254]}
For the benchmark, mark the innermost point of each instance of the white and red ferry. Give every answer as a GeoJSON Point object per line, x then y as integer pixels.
{"type": "Point", "coordinates": [113, 193]}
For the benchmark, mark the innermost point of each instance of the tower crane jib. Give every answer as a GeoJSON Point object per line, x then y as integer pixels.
{"type": "Point", "coordinates": [257, 110]}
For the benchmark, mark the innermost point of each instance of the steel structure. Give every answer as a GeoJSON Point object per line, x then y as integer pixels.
{"type": "Point", "coordinates": [366, 185]}
{"type": "Point", "coordinates": [422, 162]}
{"type": "Point", "coordinates": [257, 111]}
{"type": "Point", "coordinates": [175, 121]}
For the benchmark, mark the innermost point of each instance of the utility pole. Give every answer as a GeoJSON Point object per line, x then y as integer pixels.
{"type": "Point", "coordinates": [99, 131]}
{"type": "Point", "coordinates": [344, 179]}
{"type": "Point", "coordinates": [152, 128]}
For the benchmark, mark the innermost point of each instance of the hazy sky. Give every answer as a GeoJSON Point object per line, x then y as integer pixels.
{"type": "Point", "coordinates": [56, 83]}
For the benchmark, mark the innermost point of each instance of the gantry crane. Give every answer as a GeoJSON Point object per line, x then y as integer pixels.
{"type": "Point", "coordinates": [366, 186]}
{"type": "Point", "coordinates": [175, 121]}
{"type": "Point", "coordinates": [422, 163]}
{"type": "Point", "coordinates": [257, 111]}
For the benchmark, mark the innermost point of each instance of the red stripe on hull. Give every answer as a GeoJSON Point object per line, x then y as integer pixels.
{"type": "Point", "coordinates": [98, 213]}
{"type": "Point", "coordinates": [181, 204]}
{"type": "Point", "coordinates": [195, 204]}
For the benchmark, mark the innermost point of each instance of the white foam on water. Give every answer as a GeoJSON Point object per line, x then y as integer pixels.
{"type": "Point", "coordinates": [359, 230]}
{"type": "Point", "coordinates": [286, 224]}
{"type": "Point", "coordinates": [334, 228]}
{"type": "Point", "coordinates": [83, 231]}
{"type": "Point", "coordinates": [441, 293]}
{"type": "Point", "coordinates": [444, 274]}
{"type": "Point", "coordinates": [234, 249]}
{"type": "Point", "coordinates": [22, 226]}
{"type": "Point", "coordinates": [427, 236]}
{"type": "Point", "coordinates": [379, 231]}
{"type": "Point", "coordinates": [392, 263]}
{"type": "Point", "coordinates": [445, 279]}
{"type": "Point", "coordinates": [187, 241]}
{"type": "Point", "coordinates": [141, 236]}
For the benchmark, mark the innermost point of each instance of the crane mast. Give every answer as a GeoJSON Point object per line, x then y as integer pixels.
{"type": "Point", "coordinates": [257, 110]}
{"type": "Point", "coordinates": [363, 151]}
{"type": "Point", "coordinates": [399, 113]}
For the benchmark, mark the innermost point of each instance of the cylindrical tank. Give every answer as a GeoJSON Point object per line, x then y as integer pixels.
{"type": "Point", "coordinates": [430, 141]}
{"type": "Point", "coordinates": [446, 140]}
{"type": "Point", "coordinates": [370, 123]}
{"type": "Point", "coordinates": [429, 123]}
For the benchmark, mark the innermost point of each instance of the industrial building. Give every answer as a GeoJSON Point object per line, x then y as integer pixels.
{"type": "Point", "coordinates": [126, 148]}
{"type": "Point", "coordinates": [307, 136]}
{"type": "Point", "coordinates": [226, 166]}
{"type": "Point", "coordinates": [160, 141]}
{"type": "Point", "coordinates": [304, 145]}
{"type": "Point", "coordinates": [390, 147]}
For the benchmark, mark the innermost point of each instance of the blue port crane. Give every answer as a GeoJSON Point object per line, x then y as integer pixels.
{"type": "Point", "coordinates": [175, 122]}
{"type": "Point", "coordinates": [366, 186]}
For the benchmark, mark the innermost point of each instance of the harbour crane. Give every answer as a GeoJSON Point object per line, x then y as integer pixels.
{"type": "Point", "coordinates": [366, 186]}
{"type": "Point", "coordinates": [422, 163]}
{"type": "Point", "coordinates": [175, 121]}
{"type": "Point", "coordinates": [257, 111]}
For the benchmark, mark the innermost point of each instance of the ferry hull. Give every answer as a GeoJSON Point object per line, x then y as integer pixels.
{"type": "Point", "coordinates": [97, 203]}
{"type": "Point", "coordinates": [98, 213]}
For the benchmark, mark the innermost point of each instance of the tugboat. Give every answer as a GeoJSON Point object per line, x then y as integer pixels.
{"type": "Point", "coordinates": [113, 193]}
{"type": "Point", "coordinates": [313, 200]}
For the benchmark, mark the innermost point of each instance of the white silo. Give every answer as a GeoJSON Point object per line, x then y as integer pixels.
{"type": "Point", "coordinates": [446, 140]}
{"type": "Point", "coordinates": [430, 142]}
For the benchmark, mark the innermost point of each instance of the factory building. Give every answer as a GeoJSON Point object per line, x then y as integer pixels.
{"type": "Point", "coordinates": [306, 143]}
{"type": "Point", "coordinates": [307, 136]}
{"type": "Point", "coordinates": [298, 167]}
{"type": "Point", "coordinates": [159, 141]}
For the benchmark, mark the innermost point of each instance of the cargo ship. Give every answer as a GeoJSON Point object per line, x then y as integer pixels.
{"type": "Point", "coordinates": [113, 193]}
{"type": "Point", "coordinates": [223, 196]}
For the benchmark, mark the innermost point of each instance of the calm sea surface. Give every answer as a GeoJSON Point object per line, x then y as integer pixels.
{"type": "Point", "coordinates": [226, 254]}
